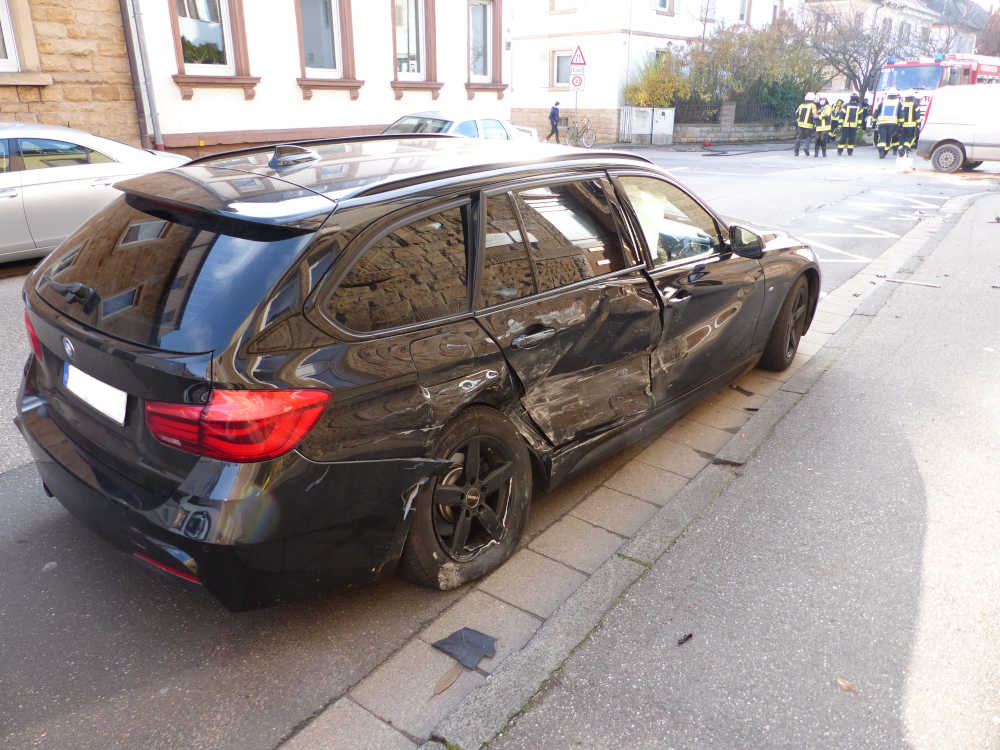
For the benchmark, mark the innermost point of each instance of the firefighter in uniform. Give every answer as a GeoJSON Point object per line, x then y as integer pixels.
{"type": "Point", "coordinates": [849, 129]}
{"type": "Point", "coordinates": [824, 115]}
{"type": "Point", "coordinates": [886, 118]}
{"type": "Point", "coordinates": [909, 122]}
{"type": "Point", "coordinates": [837, 118]}
{"type": "Point", "coordinates": [805, 116]}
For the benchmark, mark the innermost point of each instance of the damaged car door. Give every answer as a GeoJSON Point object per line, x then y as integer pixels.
{"type": "Point", "coordinates": [565, 299]}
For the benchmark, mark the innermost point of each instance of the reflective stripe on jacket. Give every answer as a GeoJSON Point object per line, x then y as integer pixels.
{"type": "Point", "coordinates": [909, 114]}
{"type": "Point", "coordinates": [823, 119]}
{"type": "Point", "coordinates": [888, 113]}
{"type": "Point", "coordinates": [805, 115]}
{"type": "Point", "coordinates": [852, 115]}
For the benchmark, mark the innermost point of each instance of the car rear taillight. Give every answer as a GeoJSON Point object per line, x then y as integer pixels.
{"type": "Point", "coordinates": [238, 426]}
{"type": "Point", "coordinates": [36, 346]}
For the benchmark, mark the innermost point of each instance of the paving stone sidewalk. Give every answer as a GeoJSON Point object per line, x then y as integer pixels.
{"type": "Point", "coordinates": [588, 541]}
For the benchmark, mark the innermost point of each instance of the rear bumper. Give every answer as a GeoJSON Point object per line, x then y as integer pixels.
{"type": "Point", "coordinates": [248, 532]}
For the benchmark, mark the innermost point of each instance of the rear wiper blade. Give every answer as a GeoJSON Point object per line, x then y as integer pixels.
{"type": "Point", "coordinates": [77, 292]}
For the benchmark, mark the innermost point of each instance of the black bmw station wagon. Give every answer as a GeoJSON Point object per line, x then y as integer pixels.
{"type": "Point", "coordinates": [315, 363]}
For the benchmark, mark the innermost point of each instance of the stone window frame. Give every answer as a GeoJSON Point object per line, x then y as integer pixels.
{"type": "Point", "coordinates": [348, 73]}
{"type": "Point", "coordinates": [555, 10]}
{"type": "Point", "coordinates": [241, 79]}
{"type": "Point", "coordinates": [429, 82]}
{"type": "Point", "coordinates": [495, 51]}
{"type": "Point", "coordinates": [22, 32]}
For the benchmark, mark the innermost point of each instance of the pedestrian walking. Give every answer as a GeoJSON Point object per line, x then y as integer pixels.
{"type": "Point", "coordinates": [805, 120]}
{"type": "Point", "coordinates": [554, 122]}
{"type": "Point", "coordinates": [824, 115]}
{"type": "Point", "coordinates": [849, 127]}
{"type": "Point", "coordinates": [909, 122]}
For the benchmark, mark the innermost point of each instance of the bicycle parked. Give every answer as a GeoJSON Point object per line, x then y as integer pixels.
{"type": "Point", "coordinates": [581, 134]}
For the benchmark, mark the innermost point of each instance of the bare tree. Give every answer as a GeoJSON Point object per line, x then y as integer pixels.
{"type": "Point", "coordinates": [988, 39]}
{"type": "Point", "coordinates": [854, 47]}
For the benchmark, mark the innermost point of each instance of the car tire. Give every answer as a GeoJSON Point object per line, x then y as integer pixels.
{"type": "Point", "coordinates": [968, 166]}
{"type": "Point", "coordinates": [466, 525]}
{"type": "Point", "coordinates": [948, 157]}
{"type": "Point", "coordinates": [788, 328]}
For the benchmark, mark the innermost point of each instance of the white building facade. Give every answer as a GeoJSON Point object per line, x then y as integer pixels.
{"type": "Point", "coordinates": [226, 73]}
{"type": "Point", "coordinates": [616, 39]}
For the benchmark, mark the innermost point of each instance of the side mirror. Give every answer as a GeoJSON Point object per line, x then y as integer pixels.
{"type": "Point", "coordinates": [745, 243]}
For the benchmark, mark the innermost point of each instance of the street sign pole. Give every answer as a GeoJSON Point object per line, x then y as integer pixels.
{"type": "Point", "coordinates": [576, 81]}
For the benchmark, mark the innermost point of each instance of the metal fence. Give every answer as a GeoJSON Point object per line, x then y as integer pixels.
{"type": "Point", "coordinates": [751, 111]}
{"type": "Point", "coordinates": [696, 113]}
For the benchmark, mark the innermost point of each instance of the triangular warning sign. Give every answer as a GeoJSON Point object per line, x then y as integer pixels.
{"type": "Point", "coordinates": [577, 58]}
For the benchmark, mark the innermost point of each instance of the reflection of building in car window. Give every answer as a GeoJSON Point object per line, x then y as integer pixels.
{"type": "Point", "coordinates": [572, 232]}
{"type": "Point", "coordinates": [507, 273]}
{"type": "Point", "coordinates": [414, 273]}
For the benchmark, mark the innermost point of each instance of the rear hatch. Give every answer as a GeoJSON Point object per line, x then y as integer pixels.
{"type": "Point", "coordinates": [135, 305]}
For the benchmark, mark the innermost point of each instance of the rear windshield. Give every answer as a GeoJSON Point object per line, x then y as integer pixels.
{"type": "Point", "coordinates": [418, 125]}
{"type": "Point", "coordinates": [182, 287]}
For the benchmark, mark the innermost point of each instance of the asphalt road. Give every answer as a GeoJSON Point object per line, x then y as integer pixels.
{"type": "Point", "coordinates": [96, 652]}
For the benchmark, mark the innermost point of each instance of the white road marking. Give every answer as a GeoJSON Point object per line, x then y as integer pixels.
{"type": "Point", "coordinates": [877, 232]}
{"type": "Point", "coordinates": [854, 257]}
{"type": "Point", "coordinates": [915, 201]}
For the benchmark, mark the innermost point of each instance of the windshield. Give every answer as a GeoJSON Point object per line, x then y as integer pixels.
{"type": "Point", "coordinates": [418, 125]}
{"type": "Point", "coordinates": [911, 77]}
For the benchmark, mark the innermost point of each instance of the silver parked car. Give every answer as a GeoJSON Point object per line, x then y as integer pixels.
{"type": "Point", "coordinates": [52, 179]}
{"type": "Point", "coordinates": [453, 123]}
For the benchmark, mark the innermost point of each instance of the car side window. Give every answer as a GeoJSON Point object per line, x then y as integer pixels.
{"type": "Point", "coordinates": [571, 232]}
{"type": "Point", "coordinates": [412, 274]}
{"type": "Point", "coordinates": [42, 153]}
{"type": "Point", "coordinates": [493, 129]}
{"type": "Point", "coordinates": [4, 156]}
{"type": "Point", "coordinates": [507, 272]}
{"type": "Point", "coordinates": [672, 222]}
{"type": "Point", "coordinates": [467, 128]}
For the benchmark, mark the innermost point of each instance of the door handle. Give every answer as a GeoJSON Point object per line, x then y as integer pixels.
{"type": "Point", "coordinates": [9, 194]}
{"type": "Point", "coordinates": [102, 183]}
{"type": "Point", "coordinates": [528, 340]}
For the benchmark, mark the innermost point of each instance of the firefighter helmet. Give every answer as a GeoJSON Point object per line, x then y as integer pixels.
{"type": "Point", "coordinates": [810, 96]}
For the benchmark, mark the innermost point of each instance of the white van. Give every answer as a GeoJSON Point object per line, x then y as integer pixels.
{"type": "Point", "coordinates": [962, 127]}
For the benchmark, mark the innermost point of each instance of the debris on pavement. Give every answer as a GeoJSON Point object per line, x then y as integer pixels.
{"type": "Point", "coordinates": [847, 686]}
{"type": "Point", "coordinates": [467, 646]}
{"type": "Point", "coordinates": [447, 679]}
{"type": "Point", "coordinates": [684, 638]}
{"type": "Point", "coordinates": [907, 281]}
{"type": "Point", "coordinates": [49, 566]}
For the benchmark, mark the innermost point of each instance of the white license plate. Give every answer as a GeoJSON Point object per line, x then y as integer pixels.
{"type": "Point", "coordinates": [95, 393]}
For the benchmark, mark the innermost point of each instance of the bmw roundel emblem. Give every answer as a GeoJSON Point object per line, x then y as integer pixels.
{"type": "Point", "coordinates": [68, 348]}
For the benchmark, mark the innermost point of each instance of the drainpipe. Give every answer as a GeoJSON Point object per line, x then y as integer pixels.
{"type": "Point", "coordinates": [145, 101]}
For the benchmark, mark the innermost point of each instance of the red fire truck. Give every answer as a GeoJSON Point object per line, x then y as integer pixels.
{"type": "Point", "coordinates": [925, 74]}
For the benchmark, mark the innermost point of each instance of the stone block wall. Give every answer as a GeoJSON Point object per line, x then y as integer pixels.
{"type": "Point", "coordinates": [81, 45]}
{"type": "Point", "coordinates": [605, 121]}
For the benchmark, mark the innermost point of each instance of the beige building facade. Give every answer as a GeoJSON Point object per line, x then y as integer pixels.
{"type": "Point", "coordinates": [67, 63]}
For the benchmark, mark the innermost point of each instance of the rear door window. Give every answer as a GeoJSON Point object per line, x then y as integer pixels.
{"type": "Point", "coordinates": [571, 231]}
{"type": "Point", "coordinates": [467, 128]}
{"type": "Point", "coordinates": [507, 272]}
{"type": "Point", "coordinates": [413, 274]}
{"type": "Point", "coordinates": [674, 226]}
{"type": "Point", "coordinates": [42, 153]}
{"type": "Point", "coordinates": [494, 129]}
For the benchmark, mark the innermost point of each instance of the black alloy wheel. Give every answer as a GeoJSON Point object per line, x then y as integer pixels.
{"type": "Point", "coordinates": [469, 520]}
{"type": "Point", "coordinates": [471, 501]}
{"type": "Point", "coordinates": [789, 327]}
